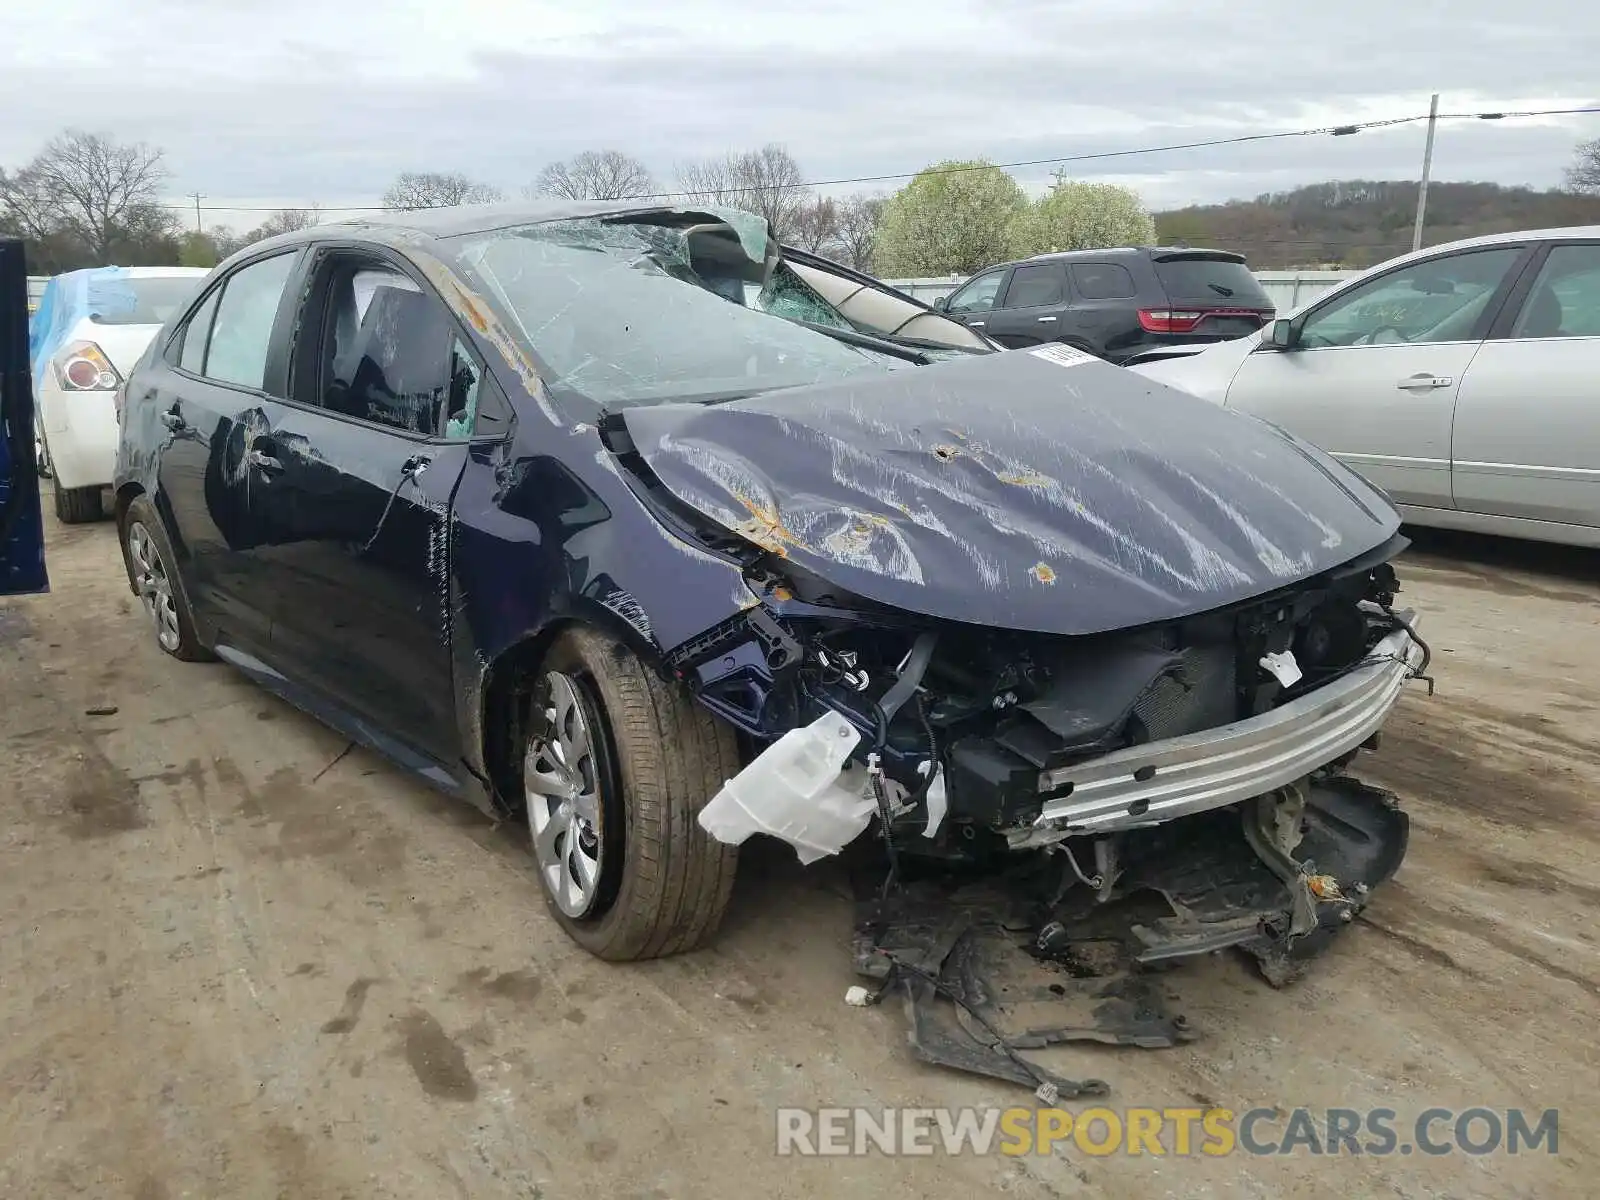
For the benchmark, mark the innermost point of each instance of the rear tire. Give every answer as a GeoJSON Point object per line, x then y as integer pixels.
{"type": "Point", "coordinates": [78, 506]}
{"type": "Point", "coordinates": [660, 882]}
{"type": "Point", "coordinates": [153, 572]}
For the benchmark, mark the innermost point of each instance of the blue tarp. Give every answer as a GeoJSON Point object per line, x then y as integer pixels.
{"type": "Point", "coordinates": [67, 299]}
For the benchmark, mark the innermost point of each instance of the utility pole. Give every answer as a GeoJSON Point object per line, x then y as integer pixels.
{"type": "Point", "coordinates": [198, 197]}
{"type": "Point", "coordinates": [1427, 167]}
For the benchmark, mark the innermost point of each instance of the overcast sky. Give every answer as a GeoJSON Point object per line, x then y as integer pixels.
{"type": "Point", "coordinates": [293, 101]}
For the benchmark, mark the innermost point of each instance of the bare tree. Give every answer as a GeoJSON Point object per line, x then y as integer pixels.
{"type": "Point", "coordinates": [765, 181]}
{"type": "Point", "coordinates": [857, 221]}
{"type": "Point", "coordinates": [712, 181]}
{"type": "Point", "coordinates": [436, 189]}
{"type": "Point", "coordinates": [815, 226]}
{"type": "Point", "coordinates": [286, 220]}
{"type": "Point", "coordinates": [1584, 173]}
{"type": "Point", "coordinates": [595, 175]}
{"type": "Point", "coordinates": [96, 191]}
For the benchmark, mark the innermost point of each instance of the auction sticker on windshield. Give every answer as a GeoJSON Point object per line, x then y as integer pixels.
{"type": "Point", "coordinates": [1063, 356]}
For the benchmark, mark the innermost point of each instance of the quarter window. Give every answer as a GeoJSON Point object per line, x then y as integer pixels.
{"type": "Point", "coordinates": [245, 315]}
{"type": "Point", "coordinates": [196, 333]}
{"type": "Point", "coordinates": [1102, 281]}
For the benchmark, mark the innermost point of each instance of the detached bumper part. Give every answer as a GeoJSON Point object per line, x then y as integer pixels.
{"type": "Point", "coordinates": [1178, 777]}
{"type": "Point", "coordinates": [988, 971]}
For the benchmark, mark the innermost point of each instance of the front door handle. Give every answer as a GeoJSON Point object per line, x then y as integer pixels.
{"type": "Point", "coordinates": [1042, 319]}
{"type": "Point", "coordinates": [173, 420]}
{"type": "Point", "coordinates": [1423, 382]}
{"type": "Point", "coordinates": [975, 324]}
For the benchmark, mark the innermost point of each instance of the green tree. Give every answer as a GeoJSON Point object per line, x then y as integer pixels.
{"type": "Point", "coordinates": [953, 217]}
{"type": "Point", "coordinates": [1074, 215]}
{"type": "Point", "coordinates": [197, 250]}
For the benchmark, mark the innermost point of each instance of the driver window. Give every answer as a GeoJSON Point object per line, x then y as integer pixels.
{"type": "Point", "coordinates": [1438, 300]}
{"type": "Point", "coordinates": [977, 296]}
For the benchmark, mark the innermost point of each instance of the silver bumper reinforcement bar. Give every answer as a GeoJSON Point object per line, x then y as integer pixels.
{"type": "Point", "coordinates": [1176, 777]}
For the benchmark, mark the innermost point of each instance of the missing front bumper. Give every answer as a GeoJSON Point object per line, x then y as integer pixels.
{"type": "Point", "coordinates": [995, 968]}
{"type": "Point", "coordinates": [1177, 777]}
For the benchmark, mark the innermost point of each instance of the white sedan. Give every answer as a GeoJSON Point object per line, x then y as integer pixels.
{"type": "Point", "coordinates": [90, 328]}
{"type": "Point", "coordinates": [1461, 379]}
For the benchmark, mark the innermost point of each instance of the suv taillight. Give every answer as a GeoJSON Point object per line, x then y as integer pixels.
{"type": "Point", "coordinates": [84, 367]}
{"type": "Point", "coordinates": [1168, 320]}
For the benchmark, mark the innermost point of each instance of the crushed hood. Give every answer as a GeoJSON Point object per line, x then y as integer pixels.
{"type": "Point", "coordinates": [1037, 490]}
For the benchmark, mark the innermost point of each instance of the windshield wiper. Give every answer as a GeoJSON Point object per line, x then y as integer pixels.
{"type": "Point", "coordinates": [867, 341]}
{"type": "Point", "coordinates": [1220, 290]}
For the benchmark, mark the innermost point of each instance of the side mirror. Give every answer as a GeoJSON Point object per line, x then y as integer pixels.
{"type": "Point", "coordinates": [1280, 335]}
{"type": "Point", "coordinates": [942, 304]}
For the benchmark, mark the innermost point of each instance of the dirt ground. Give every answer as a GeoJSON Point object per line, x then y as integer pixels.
{"type": "Point", "coordinates": [235, 961]}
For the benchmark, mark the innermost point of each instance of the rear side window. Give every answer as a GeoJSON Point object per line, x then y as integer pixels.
{"type": "Point", "coordinates": [1102, 281]}
{"type": "Point", "coordinates": [1565, 300]}
{"type": "Point", "coordinates": [1032, 286]}
{"type": "Point", "coordinates": [242, 331]}
{"type": "Point", "coordinates": [197, 333]}
{"type": "Point", "coordinates": [1212, 281]}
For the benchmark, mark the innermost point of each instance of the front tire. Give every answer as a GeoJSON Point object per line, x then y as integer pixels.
{"type": "Point", "coordinates": [153, 572]}
{"type": "Point", "coordinates": [616, 765]}
{"type": "Point", "coordinates": [78, 506]}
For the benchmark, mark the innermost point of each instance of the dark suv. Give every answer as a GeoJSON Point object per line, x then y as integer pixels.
{"type": "Point", "coordinates": [1114, 303]}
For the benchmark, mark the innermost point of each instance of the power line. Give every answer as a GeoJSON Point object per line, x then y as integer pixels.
{"type": "Point", "coordinates": [1096, 156]}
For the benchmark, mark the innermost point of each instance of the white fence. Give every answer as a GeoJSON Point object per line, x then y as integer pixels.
{"type": "Point", "coordinates": [1287, 289]}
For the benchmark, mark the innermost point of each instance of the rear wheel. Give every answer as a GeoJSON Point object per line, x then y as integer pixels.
{"type": "Point", "coordinates": [152, 570]}
{"type": "Point", "coordinates": [616, 765]}
{"type": "Point", "coordinates": [77, 506]}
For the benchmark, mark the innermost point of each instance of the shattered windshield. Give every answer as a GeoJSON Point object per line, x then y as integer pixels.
{"type": "Point", "coordinates": [643, 313]}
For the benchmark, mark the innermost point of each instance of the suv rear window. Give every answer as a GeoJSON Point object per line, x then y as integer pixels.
{"type": "Point", "coordinates": [1215, 281]}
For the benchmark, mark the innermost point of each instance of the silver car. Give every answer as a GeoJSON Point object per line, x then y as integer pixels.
{"type": "Point", "coordinates": [1461, 379]}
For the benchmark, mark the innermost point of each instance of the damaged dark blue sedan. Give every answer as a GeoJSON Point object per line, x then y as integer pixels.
{"type": "Point", "coordinates": [630, 522]}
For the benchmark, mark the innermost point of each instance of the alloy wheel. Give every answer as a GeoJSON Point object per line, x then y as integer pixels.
{"type": "Point", "coordinates": [561, 782]}
{"type": "Point", "coordinates": [154, 586]}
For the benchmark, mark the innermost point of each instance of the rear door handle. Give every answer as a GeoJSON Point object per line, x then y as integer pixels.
{"type": "Point", "coordinates": [1423, 382]}
{"type": "Point", "coordinates": [261, 460]}
{"type": "Point", "coordinates": [975, 324]}
{"type": "Point", "coordinates": [1046, 318]}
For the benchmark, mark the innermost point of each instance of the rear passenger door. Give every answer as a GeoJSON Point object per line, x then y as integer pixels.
{"type": "Point", "coordinates": [222, 372]}
{"type": "Point", "coordinates": [1030, 311]}
{"type": "Point", "coordinates": [365, 461]}
{"type": "Point", "coordinates": [1527, 428]}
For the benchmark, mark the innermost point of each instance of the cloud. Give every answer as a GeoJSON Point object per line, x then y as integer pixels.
{"type": "Point", "coordinates": [328, 101]}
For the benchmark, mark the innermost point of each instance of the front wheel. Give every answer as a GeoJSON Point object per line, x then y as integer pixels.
{"type": "Point", "coordinates": [616, 765]}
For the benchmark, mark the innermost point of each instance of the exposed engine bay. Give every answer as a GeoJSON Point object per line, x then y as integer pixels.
{"type": "Point", "coordinates": [1060, 816]}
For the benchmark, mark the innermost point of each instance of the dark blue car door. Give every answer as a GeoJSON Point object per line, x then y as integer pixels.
{"type": "Point", "coordinates": [21, 529]}
{"type": "Point", "coordinates": [360, 469]}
